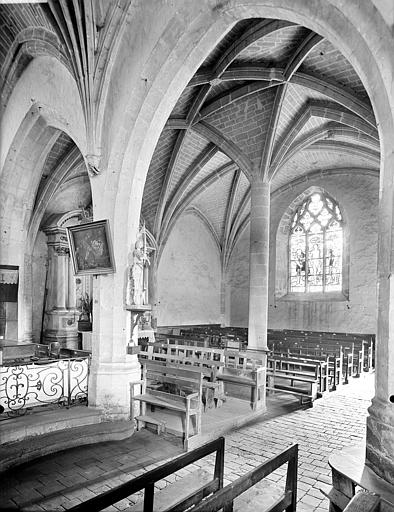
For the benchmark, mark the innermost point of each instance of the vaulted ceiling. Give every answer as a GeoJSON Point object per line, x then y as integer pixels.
{"type": "Point", "coordinates": [273, 96]}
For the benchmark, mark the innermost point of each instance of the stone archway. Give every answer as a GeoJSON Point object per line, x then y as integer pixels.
{"type": "Point", "coordinates": [19, 182]}
{"type": "Point", "coordinates": [179, 40]}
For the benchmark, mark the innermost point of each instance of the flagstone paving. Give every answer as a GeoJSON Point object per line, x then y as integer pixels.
{"type": "Point", "coordinates": [62, 480]}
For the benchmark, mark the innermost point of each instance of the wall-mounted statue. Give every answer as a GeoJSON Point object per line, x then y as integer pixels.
{"type": "Point", "coordinates": [137, 274]}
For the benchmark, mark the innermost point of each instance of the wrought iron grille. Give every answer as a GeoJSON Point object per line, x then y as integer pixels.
{"type": "Point", "coordinates": [61, 381]}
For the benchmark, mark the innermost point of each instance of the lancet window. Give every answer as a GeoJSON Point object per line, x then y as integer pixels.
{"type": "Point", "coordinates": [316, 246]}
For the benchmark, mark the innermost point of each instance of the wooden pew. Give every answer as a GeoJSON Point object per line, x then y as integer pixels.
{"type": "Point", "coordinates": [242, 371]}
{"type": "Point", "coordinates": [178, 339]}
{"type": "Point", "coordinates": [302, 366]}
{"type": "Point", "coordinates": [205, 360]}
{"type": "Point", "coordinates": [294, 376]}
{"type": "Point", "coordinates": [334, 357]}
{"type": "Point", "coordinates": [191, 488]}
{"type": "Point", "coordinates": [361, 344]}
{"type": "Point", "coordinates": [175, 389]}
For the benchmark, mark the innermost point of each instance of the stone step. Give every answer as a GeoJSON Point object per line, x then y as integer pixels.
{"type": "Point", "coordinates": [40, 434]}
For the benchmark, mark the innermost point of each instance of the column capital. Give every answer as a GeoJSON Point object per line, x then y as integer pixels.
{"type": "Point", "coordinates": [61, 250]}
{"type": "Point", "coordinates": [257, 177]}
{"type": "Point", "coordinates": [57, 238]}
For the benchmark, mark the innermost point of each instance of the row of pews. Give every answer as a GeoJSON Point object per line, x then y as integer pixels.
{"type": "Point", "coordinates": [349, 354]}
{"type": "Point", "coordinates": [187, 370]}
{"type": "Point", "coordinates": [188, 379]}
{"type": "Point", "coordinates": [304, 363]}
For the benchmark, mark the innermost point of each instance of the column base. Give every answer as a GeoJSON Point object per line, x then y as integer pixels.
{"type": "Point", "coordinates": [66, 339]}
{"type": "Point", "coordinates": [349, 469]}
{"type": "Point", "coordinates": [62, 327]}
{"type": "Point", "coordinates": [109, 386]}
{"type": "Point", "coordinates": [380, 439]}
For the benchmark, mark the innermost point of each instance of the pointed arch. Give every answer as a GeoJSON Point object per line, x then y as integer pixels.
{"type": "Point", "coordinates": [312, 248]}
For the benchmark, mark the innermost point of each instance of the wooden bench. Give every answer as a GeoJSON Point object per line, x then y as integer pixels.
{"type": "Point", "coordinates": [312, 366]}
{"type": "Point", "coordinates": [180, 495]}
{"type": "Point", "coordinates": [177, 339]}
{"type": "Point", "coordinates": [205, 360]}
{"type": "Point", "coordinates": [270, 499]}
{"type": "Point", "coordinates": [176, 389]}
{"type": "Point", "coordinates": [334, 361]}
{"type": "Point", "coordinates": [287, 381]}
{"type": "Point", "coordinates": [362, 346]}
{"type": "Point", "coordinates": [242, 371]}
{"type": "Point", "coordinates": [302, 367]}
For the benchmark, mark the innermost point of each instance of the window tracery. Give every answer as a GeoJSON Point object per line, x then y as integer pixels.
{"type": "Point", "coordinates": [316, 246]}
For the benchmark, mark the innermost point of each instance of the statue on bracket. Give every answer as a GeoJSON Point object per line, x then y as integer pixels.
{"type": "Point", "coordinates": [137, 273]}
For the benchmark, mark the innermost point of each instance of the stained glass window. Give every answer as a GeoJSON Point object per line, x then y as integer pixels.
{"type": "Point", "coordinates": [316, 246]}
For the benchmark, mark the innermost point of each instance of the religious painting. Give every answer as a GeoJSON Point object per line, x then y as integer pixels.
{"type": "Point", "coordinates": [91, 248]}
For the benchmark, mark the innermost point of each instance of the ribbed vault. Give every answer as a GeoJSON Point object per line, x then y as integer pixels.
{"type": "Point", "coordinates": [273, 97]}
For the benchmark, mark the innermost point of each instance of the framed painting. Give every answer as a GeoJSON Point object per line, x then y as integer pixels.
{"type": "Point", "coordinates": [91, 248]}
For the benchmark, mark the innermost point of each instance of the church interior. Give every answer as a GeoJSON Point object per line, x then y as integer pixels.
{"type": "Point", "coordinates": [196, 236]}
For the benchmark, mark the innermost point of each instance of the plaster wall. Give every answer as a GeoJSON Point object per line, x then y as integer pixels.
{"type": "Point", "coordinates": [39, 265]}
{"type": "Point", "coordinates": [189, 276]}
{"type": "Point", "coordinates": [45, 82]}
{"type": "Point", "coordinates": [358, 199]}
{"type": "Point", "coordinates": [238, 282]}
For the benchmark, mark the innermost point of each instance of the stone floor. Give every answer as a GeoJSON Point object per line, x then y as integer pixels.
{"type": "Point", "coordinates": [59, 481]}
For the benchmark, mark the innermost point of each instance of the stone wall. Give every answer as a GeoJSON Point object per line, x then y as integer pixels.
{"type": "Point", "coordinates": [189, 276]}
{"type": "Point", "coordinates": [358, 199]}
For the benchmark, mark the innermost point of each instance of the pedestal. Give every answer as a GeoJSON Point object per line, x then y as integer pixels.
{"type": "Point", "coordinates": [380, 438]}
{"type": "Point", "coordinates": [62, 327]}
{"type": "Point", "coordinates": [86, 340]}
{"type": "Point", "coordinates": [136, 312]}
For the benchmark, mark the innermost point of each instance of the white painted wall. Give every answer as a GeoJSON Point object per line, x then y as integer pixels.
{"type": "Point", "coordinates": [189, 276]}
{"type": "Point", "coordinates": [238, 282]}
{"type": "Point", "coordinates": [47, 82]}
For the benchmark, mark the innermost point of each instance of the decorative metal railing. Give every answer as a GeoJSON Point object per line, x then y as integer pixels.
{"type": "Point", "coordinates": [58, 381]}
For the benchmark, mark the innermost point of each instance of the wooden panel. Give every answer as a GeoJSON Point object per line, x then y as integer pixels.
{"type": "Point", "coordinates": [363, 502]}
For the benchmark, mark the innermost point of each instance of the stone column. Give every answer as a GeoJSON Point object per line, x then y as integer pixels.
{"type": "Point", "coordinates": [71, 300]}
{"type": "Point", "coordinates": [112, 369]}
{"type": "Point", "coordinates": [380, 423]}
{"type": "Point", "coordinates": [258, 269]}
{"type": "Point", "coordinates": [224, 299]}
{"type": "Point", "coordinates": [62, 322]}
{"type": "Point", "coordinates": [258, 278]}
{"type": "Point", "coordinates": [25, 301]}
{"type": "Point", "coordinates": [153, 296]}
{"type": "Point", "coordinates": [60, 257]}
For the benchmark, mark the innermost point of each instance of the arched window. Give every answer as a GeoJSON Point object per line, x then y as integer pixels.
{"type": "Point", "coordinates": [316, 246]}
